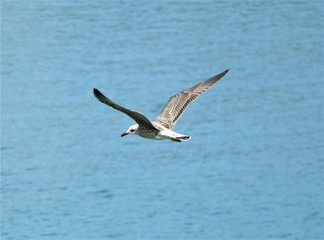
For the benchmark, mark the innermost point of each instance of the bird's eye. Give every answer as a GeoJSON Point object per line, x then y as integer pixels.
{"type": "Point", "coordinates": [132, 130]}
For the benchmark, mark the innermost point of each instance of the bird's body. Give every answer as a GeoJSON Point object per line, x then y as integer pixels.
{"type": "Point", "coordinates": [161, 133]}
{"type": "Point", "coordinates": [161, 127]}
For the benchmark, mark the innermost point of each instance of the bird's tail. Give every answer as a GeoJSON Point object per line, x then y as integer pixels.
{"type": "Point", "coordinates": [181, 138]}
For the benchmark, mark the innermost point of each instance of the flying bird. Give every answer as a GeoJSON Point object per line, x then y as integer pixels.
{"type": "Point", "coordinates": [161, 127]}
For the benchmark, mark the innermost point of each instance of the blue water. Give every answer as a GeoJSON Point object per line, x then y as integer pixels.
{"type": "Point", "coordinates": [254, 167]}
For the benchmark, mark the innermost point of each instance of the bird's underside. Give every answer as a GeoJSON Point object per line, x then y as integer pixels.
{"type": "Point", "coordinates": [161, 127]}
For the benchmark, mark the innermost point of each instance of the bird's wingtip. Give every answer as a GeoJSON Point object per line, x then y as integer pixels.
{"type": "Point", "coordinates": [97, 93]}
{"type": "Point", "coordinates": [220, 75]}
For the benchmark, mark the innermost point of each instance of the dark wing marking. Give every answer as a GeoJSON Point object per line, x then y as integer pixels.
{"type": "Point", "coordinates": [136, 116]}
{"type": "Point", "coordinates": [172, 111]}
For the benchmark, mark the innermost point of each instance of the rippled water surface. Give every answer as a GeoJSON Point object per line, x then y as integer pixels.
{"type": "Point", "coordinates": [253, 168]}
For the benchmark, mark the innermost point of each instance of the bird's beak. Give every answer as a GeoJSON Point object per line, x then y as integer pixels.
{"type": "Point", "coordinates": [124, 134]}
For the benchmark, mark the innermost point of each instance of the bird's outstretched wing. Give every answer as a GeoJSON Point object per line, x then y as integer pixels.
{"type": "Point", "coordinates": [172, 111]}
{"type": "Point", "coordinates": [136, 116]}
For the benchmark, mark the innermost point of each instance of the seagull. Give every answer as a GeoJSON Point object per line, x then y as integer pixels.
{"type": "Point", "coordinates": [161, 127]}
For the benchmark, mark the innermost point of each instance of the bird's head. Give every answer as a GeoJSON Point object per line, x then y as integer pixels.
{"type": "Point", "coordinates": [131, 130]}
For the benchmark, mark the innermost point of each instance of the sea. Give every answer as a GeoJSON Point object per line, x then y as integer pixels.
{"type": "Point", "coordinates": [254, 166]}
